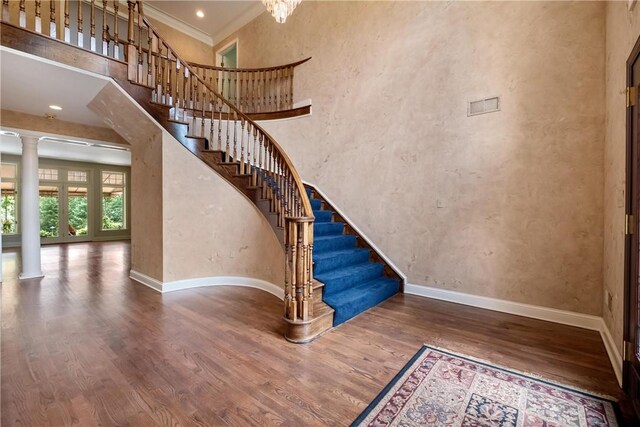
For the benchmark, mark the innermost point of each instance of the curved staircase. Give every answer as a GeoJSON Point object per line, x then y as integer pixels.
{"type": "Point", "coordinates": [331, 272]}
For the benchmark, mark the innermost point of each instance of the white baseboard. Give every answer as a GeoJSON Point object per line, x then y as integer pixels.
{"type": "Point", "coordinates": [580, 320]}
{"type": "Point", "coordinates": [200, 282]}
{"type": "Point", "coordinates": [612, 350]}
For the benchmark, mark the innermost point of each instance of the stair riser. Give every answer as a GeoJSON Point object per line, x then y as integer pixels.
{"type": "Point", "coordinates": [316, 204]}
{"type": "Point", "coordinates": [323, 216]}
{"type": "Point", "coordinates": [337, 243]}
{"type": "Point", "coordinates": [342, 315]}
{"type": "Point", "coordinates": [333, 286]}
{"type": "Point", "coordinates": [340, 261]}
{"type": "Point", "coordinates": [327, 229]}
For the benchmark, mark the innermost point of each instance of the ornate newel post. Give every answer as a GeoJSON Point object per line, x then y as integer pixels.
{"type": "Point", "coordinates": [298, 294]}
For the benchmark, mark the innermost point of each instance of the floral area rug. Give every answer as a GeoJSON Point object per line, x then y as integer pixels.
{"type": "Point", "coordinates": [439, 388]}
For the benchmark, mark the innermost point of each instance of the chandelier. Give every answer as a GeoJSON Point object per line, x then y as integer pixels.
{"type": "Point", "coordinates": [281, 9]}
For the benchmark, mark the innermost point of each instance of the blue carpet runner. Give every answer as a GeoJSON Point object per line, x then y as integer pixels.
{"type": "Point", "coordinates": [352, 283]}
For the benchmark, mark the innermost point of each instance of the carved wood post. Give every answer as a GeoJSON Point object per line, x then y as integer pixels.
{"type": "Point", "coordinates": [5, 10]}
{"type": "Point", "coordinates": [132, 59]}
{"type": "Point", "coordinates": [67, 29]}
{"type": "Point", "coordinates": [52, 19]}
{"type": "Point", "coordinates": [299, 253]}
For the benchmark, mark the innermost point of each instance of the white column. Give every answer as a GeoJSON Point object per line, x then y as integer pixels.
{"type": "Point", "coordinates": [30, 209]}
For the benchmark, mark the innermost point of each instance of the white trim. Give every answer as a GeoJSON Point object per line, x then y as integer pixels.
{"type": "Point", "coordinates": [177, 24]}
{"type": "Point", "coordinates": [200, 282]}
{"type": "Point", "coordinates": [226, 47]}
{"type": "Point", "coordinates": [243, 19]}
{"type": "Point", "coordinates": [612, 350]}
{"type": "Point", "coordinates": [364, 236]}
{"type": "Point", "coordinates": [564, 317]}
{"type": "Point", "coordinates": [146, 280]}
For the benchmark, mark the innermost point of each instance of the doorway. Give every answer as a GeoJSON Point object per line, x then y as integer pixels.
{"type": "Point", "coordinates": [64, 205]}
{"type": "Point", "coordinates": [227, 57]}
{"type": "Point", "coordinates": [631, 363]}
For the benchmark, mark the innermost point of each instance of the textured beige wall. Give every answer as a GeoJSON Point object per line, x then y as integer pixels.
{"type": "Point", "coordinates": [145, 137]}
{"type": "Point", "coordinates": [623, 29]}
{"type": "Point", "coordinates": [521, 191]}
{"type": "Point", "coordinates": [211, 229]}
{"type": "Point", "coordinates": [187, 222]}
{"type": "Point", "coordinates": [187, 47]}
{"type": "Point", "coordinates": [14, 119]}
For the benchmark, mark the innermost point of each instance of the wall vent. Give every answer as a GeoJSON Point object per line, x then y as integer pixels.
{"type": "Point", "coordinates": [483, 106]}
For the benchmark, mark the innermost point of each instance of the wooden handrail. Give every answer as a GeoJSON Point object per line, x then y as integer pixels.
{"type": "Point", "coordinates": [176, 83]}
{"type": "Point", "coordinates": [276, 67]}
{"type": "Point", "coordinates": [307, 211]}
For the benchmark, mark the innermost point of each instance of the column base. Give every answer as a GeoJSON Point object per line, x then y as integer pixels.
{"type": "Point", "coordinates": [23, 276]}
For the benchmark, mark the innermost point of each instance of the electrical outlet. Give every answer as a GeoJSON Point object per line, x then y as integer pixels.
{"type": "Point", "coordinates": [609, 299]}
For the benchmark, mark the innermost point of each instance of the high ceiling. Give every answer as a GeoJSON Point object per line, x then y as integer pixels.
{"type": "Point", "coordinates": [221, 18]}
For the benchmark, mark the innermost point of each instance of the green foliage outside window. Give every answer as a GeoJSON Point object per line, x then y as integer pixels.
{"type": "Point", "coordinates": [113, 212]}
{"type": "Point", "coordinates": [49, 212]}
{"type": "Point", "coordinates": [9, 220]}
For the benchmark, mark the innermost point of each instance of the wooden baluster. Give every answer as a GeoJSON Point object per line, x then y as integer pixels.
{"type": "Point", "coordinates": [211, 128]}
{"type": "Point", "coordinates": [52, 19]}
{"type": "Point", "coordinates": [291, 87]}
{"type": "Point", "coordinates": [116, 39]}
{"type": "Point", "coordinates": [290, 304]}
{"type": "Point", "coordinates": [80, 30]}
{"type": "Point", "coordinates": [140, 55]}
{"type": "Point", "coordinates": [5, 11]}
{"type": "Point", "coordinates": [22, 18]}
{"type": "Point", "coordinates": [132, 61]}
{"type": "Point", "coordinates": [150, 59]}
{"type": "Point", "coordinates": [106, 38]}
{"type": "Point", "coordinates": [242, 125]}
{"type": "Point", "coordinates": [38, 17]}
{"type": "Point", "coordinates": [235, 138]}
{"type": "Point", "coordinates": [92, 28]}
{"type": "Point", "coordinates": [220, 106]}
{"type": "Point", "coordinates": [203, 93]}
{"type": "Point", "coordinates": [260, 161]}
{"type": "Point", "coordinates": [67, 28]}
{"type": "Point", "coordinates": [227, 149]}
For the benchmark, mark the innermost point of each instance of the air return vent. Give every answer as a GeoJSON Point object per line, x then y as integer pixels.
{"type": "Point", "coordinates": [483, 106]}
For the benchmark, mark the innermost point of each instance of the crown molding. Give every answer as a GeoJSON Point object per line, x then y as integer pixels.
{"type": "Point", "coordinates": [243, 19]}
{"type": "Point", "coordinates": [177, 24]}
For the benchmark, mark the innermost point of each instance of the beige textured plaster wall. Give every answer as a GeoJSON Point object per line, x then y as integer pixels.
{"type": "Point", "coordinates": [187, 222]}
{"type": "Point", "coordinates": [187, 47]}
{"type": "Point", "coordinates": [145, 138]}
{"type": "Point", "coordinates": [14, 119]}
{"type": "Point", "coordinates": [211, 229]}
{"type": "Point", "coordinates": [623, 29]}
{"type": "Point", "coordinates": [506, 205]}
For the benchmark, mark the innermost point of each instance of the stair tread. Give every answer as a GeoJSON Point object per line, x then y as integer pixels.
{"type": "Point", "coordinates": [341, 252]}
{"type": "Point", "coordinates": [332, 236]}
{"type": "Point", "coordinates": [348, 271]}
{"type": "Point", "coordinates": [352, 301]}
{"type": "Point", "coordinates": [361, 291]}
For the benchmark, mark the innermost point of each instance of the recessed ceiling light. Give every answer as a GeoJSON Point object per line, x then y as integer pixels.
{"type": "Point", "coordinates": [200, 14]}
{"type": "Point", "coordinates": [55, 107]}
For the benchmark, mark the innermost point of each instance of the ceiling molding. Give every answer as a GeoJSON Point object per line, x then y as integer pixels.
{"type": "Point", "coordinates": [177, 24]}
{"type": "Point", "coordinates": [247, 16]}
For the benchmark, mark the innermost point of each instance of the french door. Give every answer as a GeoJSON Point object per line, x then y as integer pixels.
{"type": "Point", "coordinates": [64, 212]}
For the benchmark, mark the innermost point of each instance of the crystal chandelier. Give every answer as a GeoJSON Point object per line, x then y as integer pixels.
{"type": "Point", "coordinates": [281, 9]}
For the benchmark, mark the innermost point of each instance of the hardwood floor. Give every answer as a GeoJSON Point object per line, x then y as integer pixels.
{"type": "Point", "coordinates": [87, 346]}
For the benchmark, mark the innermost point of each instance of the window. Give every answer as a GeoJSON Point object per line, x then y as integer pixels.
{"type": "Point", "coordinates": [77, 176]}
{"type": "Point", "coordinates": [8, 198]}
{"type": "Point", "coordinates": [48, 174]}
{"type": "Point", "coordinates": [113, 200]}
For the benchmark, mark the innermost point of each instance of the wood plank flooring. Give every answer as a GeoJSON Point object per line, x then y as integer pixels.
{"type": "Point", "coordinates": [88, 346]}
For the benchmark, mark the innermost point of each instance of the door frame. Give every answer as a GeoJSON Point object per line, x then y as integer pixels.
{"type": "Point", "coordinates": [631, 251]}
{"type": "Point", "coordinates": [225, 48]}
{"type": "Point", "coordinates": [63, 206]}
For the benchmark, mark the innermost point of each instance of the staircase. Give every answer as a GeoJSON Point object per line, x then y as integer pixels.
{"type": "Point", "coordinates": [355, 278]}
{"type": "Point", "coordinates": [332, 274]}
